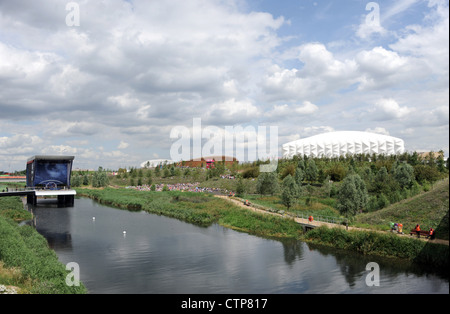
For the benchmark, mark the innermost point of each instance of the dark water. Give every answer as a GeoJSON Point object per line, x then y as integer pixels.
{"type": "Point", "coordinates": [163, 255]}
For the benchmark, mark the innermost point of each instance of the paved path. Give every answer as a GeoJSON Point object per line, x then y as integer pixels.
{"type": "Point", "coordinates": [315, 223]}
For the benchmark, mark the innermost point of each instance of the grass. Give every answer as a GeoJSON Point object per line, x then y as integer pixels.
{"type": "Point", "coordinates": [429, 209]}
{"type": "Point", "coordinates": [316, 207]}
{"type": "Point", "coordinates": [12, 207]}
{"type": "Point", "coordinates": [196, 208]}
{"type": "Point", "coordinates": [26, 261]}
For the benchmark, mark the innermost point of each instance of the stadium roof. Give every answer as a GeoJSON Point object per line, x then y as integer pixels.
{"type": "Point", "coordinates": [336, 144]}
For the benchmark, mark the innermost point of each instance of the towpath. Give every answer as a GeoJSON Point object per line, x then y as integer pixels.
{"type": "Point", "coordinates": [314, 223]}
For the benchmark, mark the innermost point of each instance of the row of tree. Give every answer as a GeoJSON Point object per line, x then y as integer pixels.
{"type": "Point", "coordinates": [98, 179]}
{"type": "Point", "coordinates": [359, 184]}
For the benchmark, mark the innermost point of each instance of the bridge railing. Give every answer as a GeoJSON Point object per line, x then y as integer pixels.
{"type": "Point", "coordinates": [26, 189]}
{"type": "Point", "coordinates": [321, 218]}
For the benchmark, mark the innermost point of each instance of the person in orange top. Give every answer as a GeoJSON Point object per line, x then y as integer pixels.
{"type": "Point", "coordinates": [431, 234]}
{"type": "Point", "coordinates": [417, 230]}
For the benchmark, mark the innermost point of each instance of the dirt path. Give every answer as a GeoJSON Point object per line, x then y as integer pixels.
{"type": "Point", "coordinates": [314, 223]}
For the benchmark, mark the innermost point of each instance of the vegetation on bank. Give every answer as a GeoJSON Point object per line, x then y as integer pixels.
{"type": "Point", "coordinates": [197, 208]}
{"type": "Point", "coordinates": [26, 261]}
{"type": "Point", "coordinates": [430, 209]}
{"type": "Point", "coordinates": [432, 255]}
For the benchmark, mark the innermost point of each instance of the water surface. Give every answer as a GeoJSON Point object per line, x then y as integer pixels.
{"type": "Point", "coordinates": [164, 255]}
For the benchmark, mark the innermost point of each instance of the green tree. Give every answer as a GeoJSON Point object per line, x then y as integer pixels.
{"type": "Point", "coordinates": [441, 162]}
{"type": "Point", "coordinates": [290, 192]}
{"type": "Point", "coordinates": [157, 171]}
{"type": "Point", "coordinates": [166, 173]}
{"type": "Point", "coordinates": [240, 188]}
{"type": "Point", "coordinates": [311, 171]}
{"type": "Point", "coordinates": [404, 174]}
{"type": "Point", "coordinates": [352, 195]}
{"type": "Point", "coordinates": [267, 183]}
{"type": "Point", "coordinates": [299, 176]}
{"type": "Point", "coordinates": [85, 179]}
{"type": "Point", "coordinates": [100, 178]}
{"type": "Point", "coordinates": [75, 181]}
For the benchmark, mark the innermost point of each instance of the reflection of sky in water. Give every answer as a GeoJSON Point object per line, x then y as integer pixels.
{"type": "Point", "coordinates": [163, 255]}
{"type": "Point", "coordinates": [51, 171]}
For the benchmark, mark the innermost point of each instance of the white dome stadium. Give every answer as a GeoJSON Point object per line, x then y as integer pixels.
{"type": "Point", "coordinates": [335, 144]}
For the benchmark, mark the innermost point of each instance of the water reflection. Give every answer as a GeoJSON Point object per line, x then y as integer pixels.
{"type": "Point", "coordinates": [163, 255]}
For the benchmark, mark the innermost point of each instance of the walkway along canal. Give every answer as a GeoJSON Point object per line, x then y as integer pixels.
{"type": "Point", "coordinates": [315, 223]}
{"type": "Point", "coordinates": [163, 255]}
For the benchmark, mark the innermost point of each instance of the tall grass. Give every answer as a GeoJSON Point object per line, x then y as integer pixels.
{"type": "Point", "coordinates": [12, 207]}
{"type": "Point", "coordinates": [24, 248]}
{"type": "Point", "coordinates": [429, 209]}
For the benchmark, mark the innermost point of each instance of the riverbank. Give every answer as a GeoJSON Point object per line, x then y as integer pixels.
{"type": "Point", "coordinates": [205, 209]}
{"type": "Point", "coordinates": [27, 263]}
{"type": "Point", "coordinates": [198, 208]}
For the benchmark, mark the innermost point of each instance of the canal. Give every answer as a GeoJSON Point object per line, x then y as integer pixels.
{"type": "Point", "coordinates": [126, 252]}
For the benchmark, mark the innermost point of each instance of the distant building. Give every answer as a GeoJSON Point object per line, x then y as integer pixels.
{"type": "Point", "coordinates": [335, 144]}
{"type": "Point", "coordinates": [426, 155]}
{"type": "Point", "coordinates": [49, 172]}
{"type": "Point", "coordinates": [208, 162]}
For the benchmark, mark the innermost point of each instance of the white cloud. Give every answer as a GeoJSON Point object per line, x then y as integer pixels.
{"type": "Point", "coordinates": [378, 130]}
{"type": "Point", "coordinates": [123, 145]}
{"type": "Point", "coordinates": [133, 70]}
{"type": "Point", "coordinates": [387, 109]}
{"type": "Point", "coordinates": [292, 111]}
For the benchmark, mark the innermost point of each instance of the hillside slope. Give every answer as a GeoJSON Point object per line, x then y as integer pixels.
{"type": "Point", "coordinates": [429, 209]}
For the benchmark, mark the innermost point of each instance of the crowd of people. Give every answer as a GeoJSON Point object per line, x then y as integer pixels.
{"type": "Point", "coordinates": [398, 227]}
{"type": "Point", "coordinates": [184, 187]}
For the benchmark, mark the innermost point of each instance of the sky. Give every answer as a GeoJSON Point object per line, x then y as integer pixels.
{"type": "Point", "coordinates": [108, 81]}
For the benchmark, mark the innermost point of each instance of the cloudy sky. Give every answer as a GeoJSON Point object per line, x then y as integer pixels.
{"type": "Point", "coordinates": [108, 80]}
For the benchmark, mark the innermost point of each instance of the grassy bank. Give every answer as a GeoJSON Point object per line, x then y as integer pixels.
{"type": "Point", "coordinates": [434, 256]}
{"type": "Point", "coordinates": [197, 208]}
{"type": "Point", "coordinates": [429, 209]}
{"type": "Point", "coordinates": [26, 261]}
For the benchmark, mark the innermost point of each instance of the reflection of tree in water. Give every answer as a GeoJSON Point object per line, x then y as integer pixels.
{"type": "Point", "coordinates": [353, 265]}
{"type": "Point", "coordinates": [431, 261]}
{"type": "Point", "coordinates": [292, 250]}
